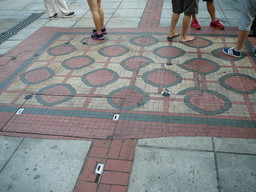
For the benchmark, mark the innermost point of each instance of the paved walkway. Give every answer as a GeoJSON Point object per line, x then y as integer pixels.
{"type": "Point", "coordinates": [58, 85]}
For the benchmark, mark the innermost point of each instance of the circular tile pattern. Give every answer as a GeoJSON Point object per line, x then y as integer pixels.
{"type": "Point", "coordinates": [100, 77]}
{"type": "Point", "coordinates": [219, 54]}
{"type": "Point", "coordinates": [208, 102]}
{"type": "Point", "coordinates": [202, 66]}
{"type": "Point", "coordinates": [37, 75]}
{"type": "Point", "coordinates": [169, 52]}
{"type": "Point", "coordinates": [62, 49]}
{"type": "Point", "coordinates": [113, 51]}
{"type": "Point", "coordinates": [199, 43]}
{"type": "Point", "coordinates": [46, 95]}
{"type": "Point", "coordinates": [144, 40]}
{"type": "Point", "coordinates": [239, 83]}
{"type": "Point", "coordinates": [127, 98]}
{"type": "Point", "coordinates": [162, 77]}
{"type": "Point", "coordinates": [136, 62]}
{"type": "Point", "coordinates": [77, 62]}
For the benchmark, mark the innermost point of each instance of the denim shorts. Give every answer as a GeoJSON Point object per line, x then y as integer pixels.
{"type": "Point", "coordinates": [248, 12]}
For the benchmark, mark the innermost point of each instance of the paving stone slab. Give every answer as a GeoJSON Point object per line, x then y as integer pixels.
{"type": "Point", "coordinates": [237, 172]}
{"type": "Point", "coordinates": [172, 170]}
{"type": "Point", "coordinates": [44, 165]}
{"type": "Point", "coordinates": [235, 145]}
{"type": "Point", "coordinates": [8, 145]}
{"type": "Point", "coordinates": [196, 143]}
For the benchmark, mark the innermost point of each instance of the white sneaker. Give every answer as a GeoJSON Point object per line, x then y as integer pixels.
{"type": "Point", "coordinates": [70, 14]}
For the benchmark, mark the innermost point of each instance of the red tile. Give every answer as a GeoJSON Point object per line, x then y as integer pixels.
{"type": "Point", "coordinates": [88, 171]}
{"type": "Point", "coordinates": [127, 150]}
{"type": "Point", "coordinates": [98, 152]}
{"type": "Point", "coordinates": [118, 189]}
{"type": "Point", "coordinates": [101, 143]}
{"type": "Point", "coordinates": [118, 165]}
{"type": "Point", "coordinates": [115, 149]}
{"type": "Point", "coordinates": [115, 178]}
{"type": "Point", "coordinates": [104, 188]}
{"type": "Point", "coordinates": [86, 187]}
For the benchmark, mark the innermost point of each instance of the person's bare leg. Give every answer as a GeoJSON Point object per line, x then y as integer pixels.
{"type": "Point", "coordinates": [101, 13]}
{"type": "Point", "coordinates": [211, 10]}
{"type": "Point", "coordinates": [185, 25]}
{"type": "Point", "coordinates": [240, 40]}
{"type": "Point", "coordinates": [194, 17]}
{"type": "Point", "coordinates": [175, 19]}
{"type": "Point", "coordinates": [95, 14]}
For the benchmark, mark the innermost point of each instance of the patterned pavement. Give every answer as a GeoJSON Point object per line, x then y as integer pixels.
{"type": "Point", "coordinates": [134, 84]}
{"type": "Point", "coordinates": [60, 84]}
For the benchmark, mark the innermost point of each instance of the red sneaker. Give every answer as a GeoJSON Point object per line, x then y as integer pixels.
{"type": "Point", "coordinates": [217, 25]}
{"type": "Point", "coordinates": [195, 25]}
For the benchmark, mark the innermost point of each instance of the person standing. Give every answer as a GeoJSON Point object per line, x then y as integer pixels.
{"type": "Point", "coordinates": [215, 23]}
{"type": "Point", "coordinates": [98, 19]}
{"type": "Point", "coordinates": [248, 12]}
{"type": "Point", "coordinates": [62, 5]}
{"type": "Point", "coordinates": [188, 7]}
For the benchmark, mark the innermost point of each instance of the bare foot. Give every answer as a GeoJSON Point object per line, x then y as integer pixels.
{"type": "Point", "coordinates": [173, 34]}
{"type": "Point", "coordinates": [170, 37]}
{"type": "Point", "coordinates": [187, 39]}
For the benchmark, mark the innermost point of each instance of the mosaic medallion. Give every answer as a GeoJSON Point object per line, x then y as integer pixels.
{"type": "Point", "coordinates": [77, 62]}
{"type": "Point", "coordinates": [162, 77]}
{"type": "Point", "coordinates": [144, 40]}
{"type": "Point", "coordinates": [136, 62]}
{"type": "Point", "coordinates": [208, 102]}
{"type": "Point", "coordinates": [62, 49]}
{"type": "Point", "coordinates": [201, 66]}
{"type": "Point", "coordinates": [47, 96]}
{"type": "Point", "coordinates": [219, 54]}
{"type": "Point", "coordinates": [100, 77]}
{"type": "Point", "coordinates": [199, 43]}
{"type": "Point", "coordinates": [37, 75]}
{"type": "Point", "coordinates": [168, 52]}
{"type": "Point", "coordinates": [239, 83]}
{"type": "Point", "coordinates": [127, 98]}
{"type": "Point", "coordinates": [113, 51]}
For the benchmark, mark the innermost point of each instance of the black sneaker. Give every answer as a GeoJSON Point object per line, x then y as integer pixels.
{"type": "Point", "coordinates": [70, 14]}
{"type": "Point", "coordinates": [252, 33]}
{"type": "Point", "coordinates": [97, 36]}
{"type": "Point", "coordinates": [254, 51]}
{"type": "Point", "coordinates": [103, 30]}
{"type": "Point", "coordinates": [54, 16]}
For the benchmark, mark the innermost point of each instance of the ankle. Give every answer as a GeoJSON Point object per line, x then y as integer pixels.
{"type": "Point", "coordinates": [238, 50]}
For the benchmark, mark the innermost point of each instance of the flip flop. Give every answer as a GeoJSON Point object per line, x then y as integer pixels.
{"type": "Point", "coordinates": [188, 40]}
{"type": "Point", "coordinates": [171, 38]}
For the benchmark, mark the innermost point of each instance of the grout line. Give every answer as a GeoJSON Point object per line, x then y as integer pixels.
{"type": "Point", "coordinates": [11, 155]}
{"type": "Point", "coordinates": [216, 167]}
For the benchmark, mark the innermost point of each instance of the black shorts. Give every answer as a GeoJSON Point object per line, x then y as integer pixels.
{"type": "Point", "coordinates": [188, 7]}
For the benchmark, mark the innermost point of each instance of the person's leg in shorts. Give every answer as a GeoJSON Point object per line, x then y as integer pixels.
{"type": "Point", "coordinates": [215, 23]}
{"type": "Point", "coordinates": [180, 6]}
{"type": "Point", "coordinates": [177, 9]}
{"type": "Point", "coordinates": [191, 7]}
{"type": "Point", "coordinates": [248, 11]}
{"type": "Point", "coordinates": [98, 18]}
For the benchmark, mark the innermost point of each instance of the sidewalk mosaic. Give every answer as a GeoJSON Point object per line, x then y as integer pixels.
{"type": "Point", "coordinates": [70, 85]}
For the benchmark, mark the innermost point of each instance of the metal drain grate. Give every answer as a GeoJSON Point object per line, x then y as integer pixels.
{"type": "Point", "coordinates": [30, 19]}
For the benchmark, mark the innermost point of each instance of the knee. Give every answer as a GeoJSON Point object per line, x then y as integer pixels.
{"type": "Point", "coordinates": [95, 11]}
{"type": "Point", "coordinates": [209, 3]}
